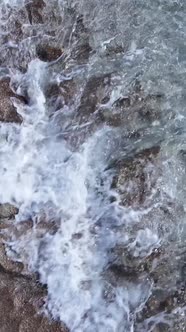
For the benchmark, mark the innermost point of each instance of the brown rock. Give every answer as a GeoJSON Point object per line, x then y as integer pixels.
{"type": "Point", "coordinates": [34, 10]}
{"type": "Point", "coordinates": [8, 112]}
{"type": "Point", "coordinates": [20, 300]}
{"type": "Point", "coordinates": [48, 53]}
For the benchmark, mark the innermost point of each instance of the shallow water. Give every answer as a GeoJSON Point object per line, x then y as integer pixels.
{"type": "Point", "coordinates": [118, 92]}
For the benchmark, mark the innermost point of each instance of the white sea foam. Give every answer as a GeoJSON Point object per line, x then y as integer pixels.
{"type": "Point", "coordinates": [39, 174]}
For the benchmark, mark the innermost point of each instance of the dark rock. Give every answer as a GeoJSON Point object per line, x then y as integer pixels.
{"type": "Point", "coordinates": [34, 10]}
{"type": "Point", "coordinates": [69, 90]}
{"type": "Point", "coordinates": [48, 53]}
{"type": "Point", "coordinates": [93, 93]}
{"type": "Point", "coordinates": [82, 49]}
{"type": "Point", "coordinates": [81, 53]}
{"type": "Point", "coordinates": [125, 261]}
{"type": "Point", "coordinates": [161, 327]}
{"type": "Point", "coordinates": [123, 272]}
{"type": "Point", "coordinates": [8, 111]}
{"type": "Point", "coordinates": [22, 29]}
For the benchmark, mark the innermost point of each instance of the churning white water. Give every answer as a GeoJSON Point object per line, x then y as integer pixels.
{"type": "Point", "coordinates": [39, 174]}
{"type": "Point", "coordinates": [52, 171]}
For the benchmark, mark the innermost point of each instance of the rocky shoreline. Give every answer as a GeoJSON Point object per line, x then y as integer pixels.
{"type": "Point", "coordinates": [153, 255]}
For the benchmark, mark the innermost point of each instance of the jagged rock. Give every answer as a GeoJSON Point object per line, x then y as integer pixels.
{"type": "Point", "coordinates": [22, 29]}
{"type": "Point", "coordinates": [8, 111]}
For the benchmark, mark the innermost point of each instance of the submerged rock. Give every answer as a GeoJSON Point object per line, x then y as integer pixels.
{"type": "Point", "coordinates": [136, 178]}
{"type": "Point", "coordinates": [82, 49]}
{"type": "Point", "coordinates": [138, 181]}
{"type": "Point", "coordinates": [92, 95]}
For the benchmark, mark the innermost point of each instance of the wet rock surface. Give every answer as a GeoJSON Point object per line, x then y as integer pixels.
{"type": "Point", "coordinates": [137, 178]}
{"type": "Point", "coordinates": [8, 112]}
{"type": "Point", "coordinates": [21, 300]}
{"type": "Point", "coordinates": [34, 10]}
{"type": "Point", "coordinates": [7, 210]}
{"type": "Point", "coordinates": [21, 296]}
